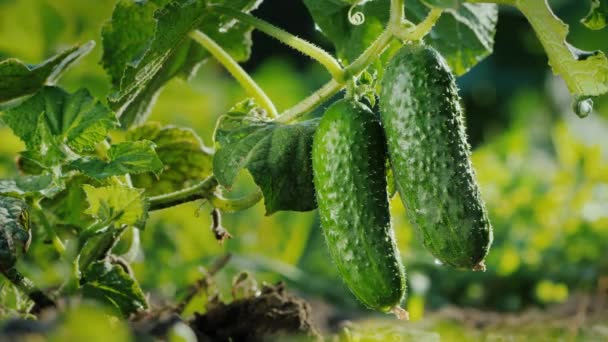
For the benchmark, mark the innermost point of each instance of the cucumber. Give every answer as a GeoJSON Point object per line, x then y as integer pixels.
{"type": "Point", "coordinates": [423, 121]}
{"type": "Point", "coordinates": [349, 164]}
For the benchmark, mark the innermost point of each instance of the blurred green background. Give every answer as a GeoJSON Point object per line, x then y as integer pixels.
{"type": "Point", "coordinates": [543, 171]}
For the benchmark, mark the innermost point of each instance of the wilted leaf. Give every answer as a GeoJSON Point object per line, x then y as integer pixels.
{"type": "Point", "coordinates": [186, 160]}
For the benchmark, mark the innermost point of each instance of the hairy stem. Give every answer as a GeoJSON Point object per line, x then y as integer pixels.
{"type": "Point", "coordinates": [397, 14]}
{"type": "Point", "coordinates": [201, 190]}
{"type": "Point", "coordinates": [369, 55]}
{"type": "Point", "coordinates": [358, 65]}
{"type": "Point", "coordinates": [407, 33]}
{"type": "Point", "coordinates": [305, 47]}
{"type": "Point", "coordinates": [333, 87]}
{"type": "Point", "coordinates": [311, 102]}
{"type": "Point", "coordinates": [229, 205]}
{"type": "Point", "coordinates": [235, 70]}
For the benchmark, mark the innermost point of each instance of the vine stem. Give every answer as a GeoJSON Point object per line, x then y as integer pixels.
{"type": "Point", "coordinates": [235, 70]}
{"type": "Point", "coordinates": [395, 29]}
{"type": "Point", "coordinates": [202, 190]}
{"type": "Point", "coordinates": [406, 33]}
{"type": "Point", "coordinates": [229, 205]}
{"type": "Point", "coordinates": [328, 90]}
{"type": "Point", "coordinates": [305, 47]}
{"type": "Point", "coordinates": [333, 87]}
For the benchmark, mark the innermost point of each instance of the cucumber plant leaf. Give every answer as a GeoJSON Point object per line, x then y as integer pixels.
{"type": "Point", "coordinates": [146, 44]}
{"type": "Point", "coordinates": [68, 207]}
{"type": "Point", "coordinates": [18, 79]}
{"type": "Point", "coordinates": [14, 231]}
{"type": "Point", "coordinates": [278, 156]}
{"type": "Point", "coordinates": [128, 157]}
{"type": "Point", "coordinates": [119, 205]}
{"type": "Point", "coordinates": [111, 284]}
{"type": "Point", "coordinates": [585, 73]}
{"type": "Point", "coordinates": [186, 160]}
{"type": "Point", "coordinates": [55, 124]}
{"type": "Point", "coordinates": [597, 18]}
{"type": "Point", "coordinates": [36, 186]}
{"type": "Point", "coordinates": [475, 24]}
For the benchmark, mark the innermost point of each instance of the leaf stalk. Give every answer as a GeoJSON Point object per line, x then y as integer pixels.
{"type": "Point", "coordinates": [250, 86]}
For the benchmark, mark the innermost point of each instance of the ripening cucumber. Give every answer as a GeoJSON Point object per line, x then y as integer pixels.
{"type": "Point", "coordinates": [424, 126]}
{"type": "Point", "coordinates": [349, 164]}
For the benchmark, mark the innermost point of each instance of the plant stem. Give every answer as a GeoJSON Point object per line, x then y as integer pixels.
{"type": "Point", "coordinates": [201, 190]}
{"type": "Point", "coordinates": [235, 70]}
{"type": "Point", "coordinates": [406, 33]}
{"type": "Point", "coordinates": [311, 102]}
{"type": "Point", "coordinates": [228, 205]}
{"type": "Point", "coordinates": [92, 230]}
{"type": "Point", "coordinates": [394, 29]}
{"type": "Point", "coordinates": [397, 14]}
{"type": "Point", "coordinates": [333, 87]}
{"type": "Point", "coordinates": [369, 55]}
{"type": "Point", "coordinates": [305, 47]}
{"type": "Point", "coordinates": [101, 247]}
{"type": "Point", "coordinates": [57, 243]}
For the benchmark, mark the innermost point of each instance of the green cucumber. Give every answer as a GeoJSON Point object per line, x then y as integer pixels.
{"type": "Point", "coordinates": [430, 157]}
{"type": "Point", "coordinates": [349, 164]}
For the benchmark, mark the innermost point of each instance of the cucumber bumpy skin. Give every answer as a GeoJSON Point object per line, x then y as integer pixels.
{"type": "Point", "coordinates": [430, 157]}
{"type": "Point", "coordinates": [349, 164]}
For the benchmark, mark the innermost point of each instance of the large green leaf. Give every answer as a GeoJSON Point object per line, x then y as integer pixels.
{"type": "Point", "coordinates": [146, 44]}
{"type": "Point", "coordinates": [186, 160]}
{"type": "Point", "coordinates": [464, 35]}
{"type": "Point", "coordinates": [129, 157]}
{"type": "Point", "coordinates": [54, 124]}
{"type": "Point", "coordinates": [111, 284]}
{"type": "Point", "coordinates": [14, 231]}
{"type": "Point", "coordinates": [585, 73]}
{"type": "Point", "coordinates": [278, 156]}
{"type": "Point", "coordinates": [19, 79]}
